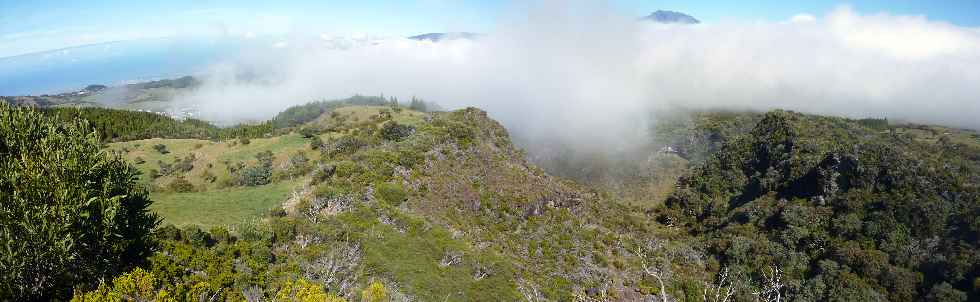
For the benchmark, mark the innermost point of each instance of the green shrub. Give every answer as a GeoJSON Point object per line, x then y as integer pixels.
{"type": "Point", "coordinates": [161, 148]}
{"type": "Point", "coordinates": [391, 194]}
{"type": "Point", "coordinates": [251, 230]}
{"type": "Point", "coordinates": [184, 165]}
{"type": "Point", "coordinates": [458, 132]}
{"type": "Point", "coordinates": [347, 169]}
{"type": "Point", "coordinates": [375, 292]}
{"type": "Point", "coordinates": [307, 132]}
{"type": "Point", "coordinates": [316, 143]}
{"type": "Point", "coordinates": [297, 165]}
{"type": "Point", "coordinates": [301, 290]}
{"type": "Point", "coordinates": [395, 132]}
{"type": "Point", "coordinates": [349, 144]}
{"type": "Point", "coordinates": [265, 157]}
{"type": "Point", "coordinates": [322, 172]}
{"type": "Point", "coordinates": [72, 214]}
{"type": "Point", "coordinates": [180, 185]}
{"type": "Point", "coordinates": [168, 232]}
{"type": "Point", "coordinates": [197, 237]}
{"type": "Point", "coordinates": [255, 175]}
{"type": "Point", "coordinates": [137, 285]}
{"type": "Point", "coordinates": [945, 292]}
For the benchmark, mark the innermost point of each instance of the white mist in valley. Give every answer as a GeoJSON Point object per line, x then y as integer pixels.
{"type": "Point", "coordinates": [589, 77]}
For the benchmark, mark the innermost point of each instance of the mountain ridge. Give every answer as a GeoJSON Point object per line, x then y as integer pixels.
{"type": "Point", "coordinates": [667, 16]}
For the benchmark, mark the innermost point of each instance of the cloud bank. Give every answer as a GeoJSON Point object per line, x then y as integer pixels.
{"type": "Point", "coordinates": [589, 76]}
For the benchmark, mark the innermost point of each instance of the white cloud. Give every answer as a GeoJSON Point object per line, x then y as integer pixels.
{"type": "Point", "coordinates": [803, 18]}
{"type": "Point", "coordinates": [591, 78]}
{"type": "Point", "coordinates": [906, 37]}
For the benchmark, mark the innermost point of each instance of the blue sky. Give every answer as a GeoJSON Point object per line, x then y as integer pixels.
{"type": "Point", "coordinates": [38, 25]}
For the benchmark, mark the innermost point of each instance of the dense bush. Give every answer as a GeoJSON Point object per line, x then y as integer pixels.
{"type": "Point", "coordinates": [301, 290]}
{"type": "Point", "coordinates": [71, 213]}
{"type": "Point", "coordinates": [307, 132]}
{"type": "Point", "coordinates": [180, 185]}
{"type": "Point", "coordinates": [849, 213]}
{"type": "Point", "coordinates": [375, 292]}
{"type": "Point", "coordinates": [395, 132]}
{"type": "Point", "coordinates": [137, 285]}
{"type": "Point", "coordinates": [257, 174]}
{"type": "Point", "coordinates": [348, 144]}
{"type": "Point", "coordinates": [161, 148]}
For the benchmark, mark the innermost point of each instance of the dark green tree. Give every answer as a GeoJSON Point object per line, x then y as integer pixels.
{"type": "Point", "coordinates": [70, 213]}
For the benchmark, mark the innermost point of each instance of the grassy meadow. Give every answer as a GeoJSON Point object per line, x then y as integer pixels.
{"type": "Point", "coordinates": [220, 207]}
{"type": "Point", "coordinates": [213, 202]}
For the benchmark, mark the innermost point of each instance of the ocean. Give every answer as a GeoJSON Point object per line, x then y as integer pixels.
{"type": "Point", "coordinates": [112, 63]}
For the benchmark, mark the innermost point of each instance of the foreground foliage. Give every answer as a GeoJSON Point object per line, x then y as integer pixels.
{"type": "Point", "coordinates": [70, 213]}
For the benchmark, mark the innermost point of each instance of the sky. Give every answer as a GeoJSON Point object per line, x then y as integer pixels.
{"type": "Point", "coordinates": [41, 25]}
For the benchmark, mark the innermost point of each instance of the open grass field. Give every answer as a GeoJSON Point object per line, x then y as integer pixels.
{"type": "Point", "coordinates": [213, 157]}
{"type": "Point", "coordinates": [356, 114]}
{"type": "Point", "coordinates": [213, 203]}
{"type": "Point", "coordinates": [210, 157]}
{"type": "Point", "coordinates": [932, 134]}
{"type": "Point", "coordinates": [220, 207]}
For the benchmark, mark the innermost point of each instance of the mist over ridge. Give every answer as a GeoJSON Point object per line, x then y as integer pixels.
{"type": "Point", "coordinates": [589, 77]}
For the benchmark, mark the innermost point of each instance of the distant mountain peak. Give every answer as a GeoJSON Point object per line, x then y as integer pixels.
{"type": "Point", "coordinates": [436, 37]}
{"type": "Point", "coordinates": [666, 16]}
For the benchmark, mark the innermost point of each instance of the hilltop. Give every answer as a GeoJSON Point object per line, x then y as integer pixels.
{"type": "Point", "coordinates": [441, 186]}
{"type": "Point", "coordinates": [666, 16]}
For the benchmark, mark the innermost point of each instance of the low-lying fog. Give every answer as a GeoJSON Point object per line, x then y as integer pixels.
{"type": "Point", "coordinates": [589, 77]}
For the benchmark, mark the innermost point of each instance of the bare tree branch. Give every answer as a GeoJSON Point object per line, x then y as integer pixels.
{"type": "Point", "coordinates": [771, 289]}
{"type": "Point", "coordinates": [658, 268]}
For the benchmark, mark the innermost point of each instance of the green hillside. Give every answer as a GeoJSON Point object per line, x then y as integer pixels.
{"type": "Point", "coordinates": [348, 201]}
{"type": "Point", "coordinates": [841, 208]}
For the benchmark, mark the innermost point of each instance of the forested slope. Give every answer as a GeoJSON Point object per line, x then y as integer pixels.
{"type": "Point", "coordinates": [843, 210]}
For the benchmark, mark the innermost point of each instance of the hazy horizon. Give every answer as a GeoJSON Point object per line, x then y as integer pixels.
{"type": "Point", "coordinates": [589, 74]}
